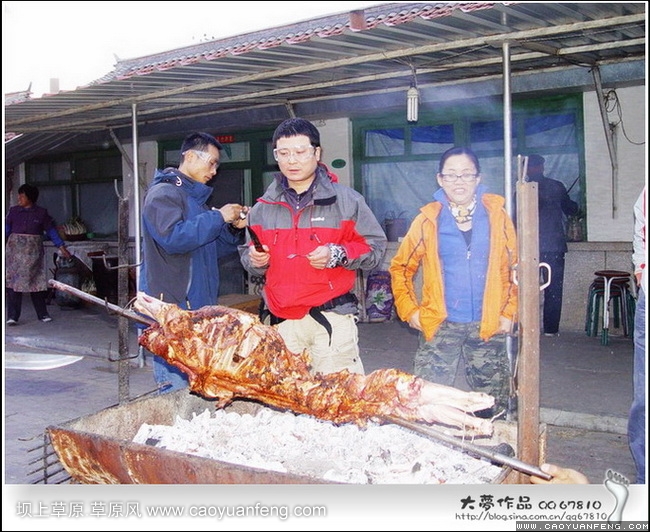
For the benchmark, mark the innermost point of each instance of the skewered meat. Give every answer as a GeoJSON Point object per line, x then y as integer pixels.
{"type": "Point", "coordinates": [229, 353]}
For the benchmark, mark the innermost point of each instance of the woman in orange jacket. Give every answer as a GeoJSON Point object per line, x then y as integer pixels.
{"type": "Point", "coordinates": [464, 242]}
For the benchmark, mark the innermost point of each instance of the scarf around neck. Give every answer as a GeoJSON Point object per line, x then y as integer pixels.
{"type": "Point", "coordinates": [463, 214]}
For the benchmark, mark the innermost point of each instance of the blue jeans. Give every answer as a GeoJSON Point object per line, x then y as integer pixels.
{"type": "Point", "coordinates": [636, 421]}
{"type": "Point", "coordinates": [167, 377]}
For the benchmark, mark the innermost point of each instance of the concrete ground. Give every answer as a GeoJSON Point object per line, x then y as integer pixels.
{"type": "Point", "coordinates": [585, 387]}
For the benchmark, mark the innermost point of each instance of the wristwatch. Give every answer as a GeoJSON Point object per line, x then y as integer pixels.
{"type": "Point", "coordinates": [338, 256]}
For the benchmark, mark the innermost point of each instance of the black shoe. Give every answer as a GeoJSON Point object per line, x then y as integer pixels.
{"type": "Point", "coordinates": [12, 322]}
{"type": "Point", "coordinates": [496, 412]}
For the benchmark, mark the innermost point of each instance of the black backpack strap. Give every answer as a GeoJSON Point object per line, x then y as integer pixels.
{"type": "Point", "coordinates": [322, 320]}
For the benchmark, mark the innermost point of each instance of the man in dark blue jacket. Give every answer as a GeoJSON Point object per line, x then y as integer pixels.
{"type": "Point", "coordinates": [183, 238]}
{"type": "Point", "coordinates": [554, 205]}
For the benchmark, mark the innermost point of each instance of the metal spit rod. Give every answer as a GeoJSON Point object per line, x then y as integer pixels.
{"type": "Point", "coordinates": [426, 431]}
{"type": "Point", "coordinates": [97, 301]}
{"type": "Point", "coordinates": [499, 458]}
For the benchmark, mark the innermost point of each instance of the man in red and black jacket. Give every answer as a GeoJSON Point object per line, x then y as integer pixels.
{"type": "Point", "coordinates": [315, 233]}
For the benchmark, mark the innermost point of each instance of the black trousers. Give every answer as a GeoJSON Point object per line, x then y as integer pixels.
{"type": "Point", "coordinates": [15, 304]}
{"type": "Point", "coordinates": [552, 293]}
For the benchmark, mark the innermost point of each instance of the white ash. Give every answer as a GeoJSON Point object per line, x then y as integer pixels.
{"type": "Point", "coordinates": [302, 445]}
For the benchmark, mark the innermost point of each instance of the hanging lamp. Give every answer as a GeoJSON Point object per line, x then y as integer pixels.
{"type": "Point", "coordinates": [412, 100]}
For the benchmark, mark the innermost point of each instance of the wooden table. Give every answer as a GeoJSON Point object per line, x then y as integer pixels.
{"type": "Point", "coordinates": [247, 302]}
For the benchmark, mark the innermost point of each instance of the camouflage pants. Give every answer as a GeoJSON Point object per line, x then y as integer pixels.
{"type": "Point", "coordinates": [485, 363]}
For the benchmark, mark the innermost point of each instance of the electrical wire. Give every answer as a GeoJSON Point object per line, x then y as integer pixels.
{"type": "Point", "coordinates": [612, 103]}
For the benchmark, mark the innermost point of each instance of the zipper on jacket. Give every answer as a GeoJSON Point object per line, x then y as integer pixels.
{"type": "Point", "coordinates": [468, 255]}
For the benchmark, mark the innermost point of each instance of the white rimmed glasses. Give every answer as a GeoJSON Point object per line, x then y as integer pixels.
{"type": "Point", "coordinates": [299, 153]}
{"type": "Point", "coordinates": [207, 158]}
{"type": "Point", "coordinates": [466, 177]}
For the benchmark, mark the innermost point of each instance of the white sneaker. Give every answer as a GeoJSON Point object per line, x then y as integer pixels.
{"type": "Point", "coordinates": [11, 322]}
{"type": "Point", "coordinates": [46, 319]}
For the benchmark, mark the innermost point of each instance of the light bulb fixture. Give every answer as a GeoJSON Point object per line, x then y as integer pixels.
{"type": "Point", "coordinates": [412, 99]}
{"type": "Point", "coordinates": [412, 103]}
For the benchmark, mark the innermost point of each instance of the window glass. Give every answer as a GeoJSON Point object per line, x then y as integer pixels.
{"type": "Point", "coordinates": [234, 152]}
{"type": "Point", "coordinates": [97, 168]}
{"type": "Point", "coordinates": [565, 167]}
{"type": "Point", "coordinates": [61, 171]}
{"type": "Point", "coordinates": [110, 167]}
{"type": "Point", "coordinates": [87, 169]}
{"type": "Point", "coordinates": [270, 160]}
{"type": "Point", "coordinates": [493, 173]}
{"type": "Point", "coordinates": [547, 131]}
{"type": "Point", "coordinates": [394, 179]}
{"type": "Point", "coordinates": [488, 135]}
{"type": "Point", "coordinates": [171, 158]}
{"type": "Point", "coordinates": [398, 190]}
{"type": "Point", "coordinates": [383, 142]}
{"type": "Point", "coordinates": [432, 139]}
{"type": "Point", "coordinates": [98, 208]}
{"type": "Point", "coordinates": [228, 187]}
{"type": "Point", "coordinates": [38, 172]}
{"type": "Point", "coordinates": [267, 178]}
{"type": "Point", "coordinates": [58, 202]}
{"type": "Point", "coordinates": [81, 185]}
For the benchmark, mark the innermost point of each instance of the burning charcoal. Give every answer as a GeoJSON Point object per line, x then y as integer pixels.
{"type": "Point", "coordinates": [303, 445]}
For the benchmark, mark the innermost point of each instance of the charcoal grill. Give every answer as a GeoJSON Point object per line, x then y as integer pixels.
{"type": "Point", "coordinates": [98, 448]}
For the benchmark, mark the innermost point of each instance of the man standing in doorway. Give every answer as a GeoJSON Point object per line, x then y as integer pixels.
{"type": "Point", "coordinates": [554, 205]}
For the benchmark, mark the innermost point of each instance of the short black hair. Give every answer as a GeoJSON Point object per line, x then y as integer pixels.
{"type": "Point", "coordinates": [30, 191]}
{"type": "Point", "coordinates": [199, 141]}
{"type": "Point", "coordinates": [293, 127]}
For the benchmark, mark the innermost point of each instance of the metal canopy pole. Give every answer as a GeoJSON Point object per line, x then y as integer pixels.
{"type": "Point", "coordinates": [136, 194]}
{"type": "Point", "coordinates": [123, 364]}
{"type": "Point", "coordinates": [507, 184]}
{"type": "Point", "coordinates": [136, 211]}
{"type": "Point", "coordinates": [609, 137]}
{"type": "Point", "coordinates": [507, 128]}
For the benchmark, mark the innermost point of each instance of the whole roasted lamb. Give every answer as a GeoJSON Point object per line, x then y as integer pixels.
{"type": "Point", "coordinates": [229, 353]}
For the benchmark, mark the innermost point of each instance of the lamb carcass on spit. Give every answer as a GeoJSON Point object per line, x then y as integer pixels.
{"type": "Point", "coordinates": [228, 353]}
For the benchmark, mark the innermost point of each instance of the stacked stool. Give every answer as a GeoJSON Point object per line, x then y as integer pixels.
{"type": "Point", "coordinates": [610, 288]}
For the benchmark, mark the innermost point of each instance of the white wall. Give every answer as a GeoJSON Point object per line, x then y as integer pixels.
{"type": "Point", "coordinates": [336, 141]}
{"type": "Point", "coordinates": [148, 160]}
{"type": "Point", "coordinates": [605, 224]}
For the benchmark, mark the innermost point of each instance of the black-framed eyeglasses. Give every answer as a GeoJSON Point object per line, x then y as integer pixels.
{"type": "Point", "coordinates": [452, 178]}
